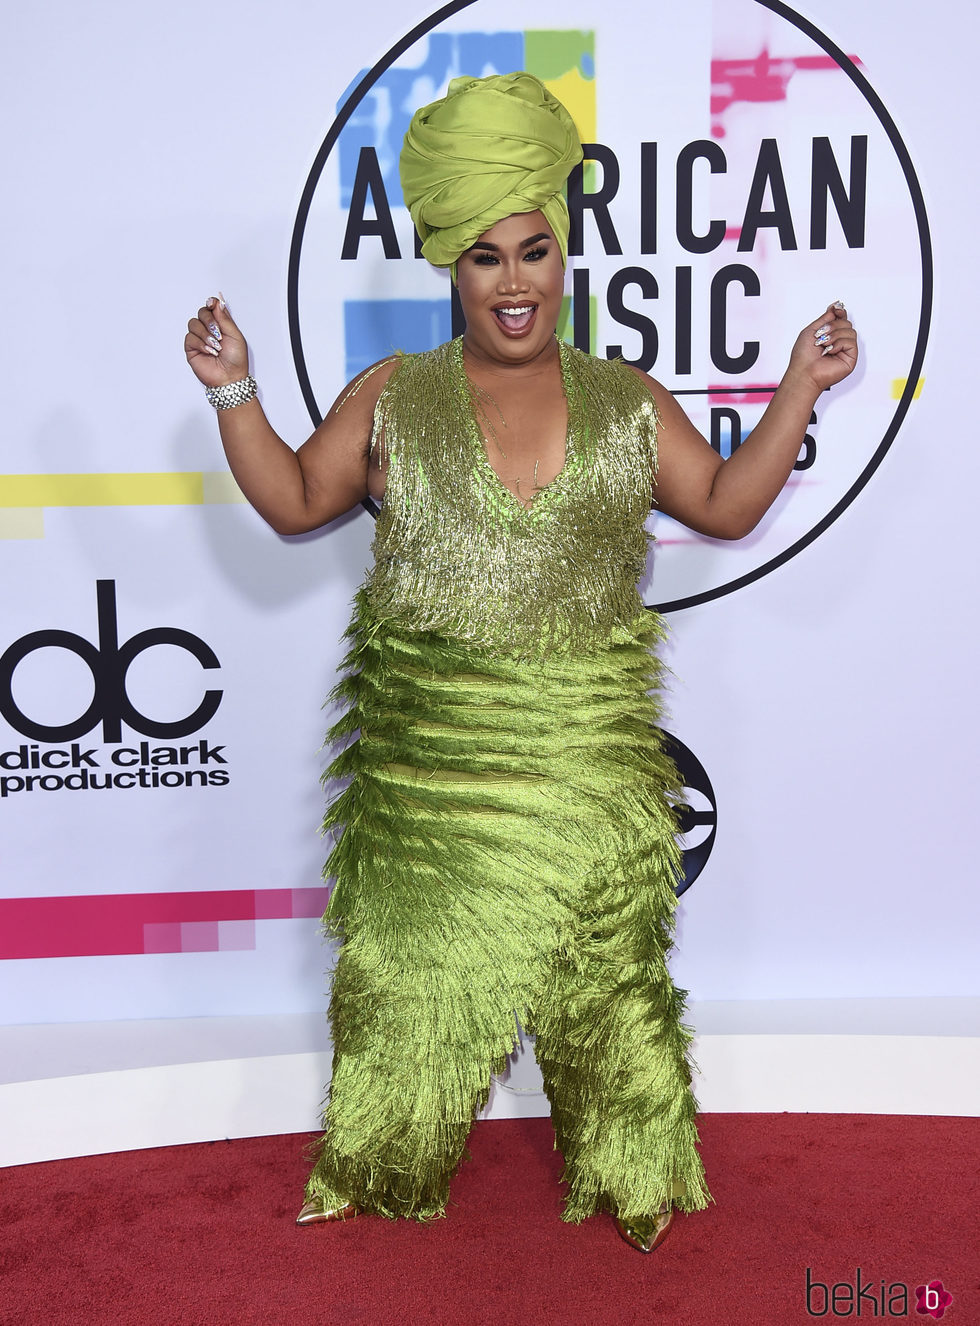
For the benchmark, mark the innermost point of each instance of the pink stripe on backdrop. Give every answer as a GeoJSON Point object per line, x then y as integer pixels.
{"type": "Point", "coordinates": [104, 924]}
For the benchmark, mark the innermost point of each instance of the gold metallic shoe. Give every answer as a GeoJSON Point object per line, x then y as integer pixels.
{"type": "Point", "coordinates": [315, 1213]}
{"type": "Point", "coordinates": [647, 1232]}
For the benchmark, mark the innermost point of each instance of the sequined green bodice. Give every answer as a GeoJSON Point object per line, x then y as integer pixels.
{"type": "Point", "coordinates": [457, 553]}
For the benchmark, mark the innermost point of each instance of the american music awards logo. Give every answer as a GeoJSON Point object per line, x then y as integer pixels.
{"type": "Point", "coordinates": [742, 173]}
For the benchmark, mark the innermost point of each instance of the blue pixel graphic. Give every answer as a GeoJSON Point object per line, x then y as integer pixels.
{"type": "Point", "coordinates": [374, 328]}
{"type": "Point", "coordinates": [383, 115]}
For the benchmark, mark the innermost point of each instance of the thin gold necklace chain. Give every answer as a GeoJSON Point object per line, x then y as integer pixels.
{"type": "Point", "coordinates": [479, 394]}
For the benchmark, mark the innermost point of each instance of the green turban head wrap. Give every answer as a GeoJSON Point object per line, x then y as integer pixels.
{"type": "Point", "coordinates": [489, 148]}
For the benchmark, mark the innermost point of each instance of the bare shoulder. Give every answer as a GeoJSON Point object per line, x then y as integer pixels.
{"type": "Point", "coordinates": [348, 425]}
{"type": "Point", "coordinates": [667, 407]}
{"type": "Point", "coordinates": [683, 454]}
{"type": "Point", "coordinates": [335, 461]}
{"type": "Point", "coordinates": [362, 393]}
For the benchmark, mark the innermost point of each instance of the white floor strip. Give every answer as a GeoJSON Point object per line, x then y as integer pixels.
{"type": "Point", "coordinates": [86, 1089]}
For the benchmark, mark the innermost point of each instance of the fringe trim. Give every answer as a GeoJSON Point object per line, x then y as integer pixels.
{"type": "Point", "coordinates": [506, 846]}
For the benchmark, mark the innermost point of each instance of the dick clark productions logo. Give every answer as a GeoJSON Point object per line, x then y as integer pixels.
{"type": "Point", "coordinates": [27, 768]}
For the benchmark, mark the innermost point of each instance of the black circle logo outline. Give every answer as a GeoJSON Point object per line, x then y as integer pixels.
{"type": "Point", "coordinates": [859, 80]}
{"type": "Point", "coordinates": [693, 775]}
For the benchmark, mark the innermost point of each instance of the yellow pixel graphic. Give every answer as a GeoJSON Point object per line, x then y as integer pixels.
{"type": "Point", "coordinates": [24, 497]}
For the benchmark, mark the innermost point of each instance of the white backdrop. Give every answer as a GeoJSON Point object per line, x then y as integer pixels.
{"type": "Point", "coordinates": [157, 155]}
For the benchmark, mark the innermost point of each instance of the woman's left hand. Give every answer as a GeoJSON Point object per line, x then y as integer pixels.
{"type": "Point", "coordinates": [827, 350]}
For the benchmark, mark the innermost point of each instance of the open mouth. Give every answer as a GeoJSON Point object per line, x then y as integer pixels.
{"type": "Point", "coordinates": [515, 318]}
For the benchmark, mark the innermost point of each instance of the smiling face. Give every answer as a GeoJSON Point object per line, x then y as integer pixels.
{"type": "Point", "coordinates": [510, 285]}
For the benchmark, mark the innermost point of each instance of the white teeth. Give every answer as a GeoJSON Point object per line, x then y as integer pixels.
{"type": "Point", "coordinates": [516, 312]}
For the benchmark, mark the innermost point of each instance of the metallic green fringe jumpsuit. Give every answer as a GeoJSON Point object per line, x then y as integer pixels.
{"type": "Point", "coordinates": [507, 835]}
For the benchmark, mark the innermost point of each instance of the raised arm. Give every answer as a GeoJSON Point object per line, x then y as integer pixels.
{"type": "Point", "coordinates": [726, 499]}
{"type": "Point", "coordinates": [294, 491]}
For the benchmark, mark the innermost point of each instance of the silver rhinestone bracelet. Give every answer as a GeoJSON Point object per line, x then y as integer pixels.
{"type": "Point", "coordinates": [232, 393]}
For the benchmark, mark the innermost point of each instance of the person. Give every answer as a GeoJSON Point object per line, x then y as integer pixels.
{"type": "Point", "coordinates": [507, 849]}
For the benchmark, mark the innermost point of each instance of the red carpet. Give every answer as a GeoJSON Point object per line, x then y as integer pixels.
{"type": "Point", "coordinates": [204, 1235]}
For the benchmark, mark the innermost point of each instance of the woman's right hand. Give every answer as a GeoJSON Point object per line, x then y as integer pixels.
{"type": "Point", "coordinates": [215, 348]}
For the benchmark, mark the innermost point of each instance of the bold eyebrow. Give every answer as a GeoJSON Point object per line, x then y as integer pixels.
{"type": "Point", "coordinates": [525, 243]}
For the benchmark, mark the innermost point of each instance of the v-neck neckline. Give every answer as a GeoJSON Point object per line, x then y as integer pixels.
{"type": "Point", "coordinates": [571, 453]}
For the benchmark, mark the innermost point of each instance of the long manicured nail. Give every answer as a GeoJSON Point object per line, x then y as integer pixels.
{"type": "Point", "coordinates": [213, 344]}
{"type": "Point", "coordinates": [822, 330]}
{"type": "Point", "coordinates": [838, 304]}
{"type": "Point", "coordinates": [822, 340]}
{"type": "Point", "coordinates": [209, 302]}
{"type": "Point", "coordinates": [828, 350]}
{"type": "Point", "coordinates": [211, 350]}
{"type": "Point", "coordinates": [215, 330]}
{"type": "Point", "coordinates": [222, 305]}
